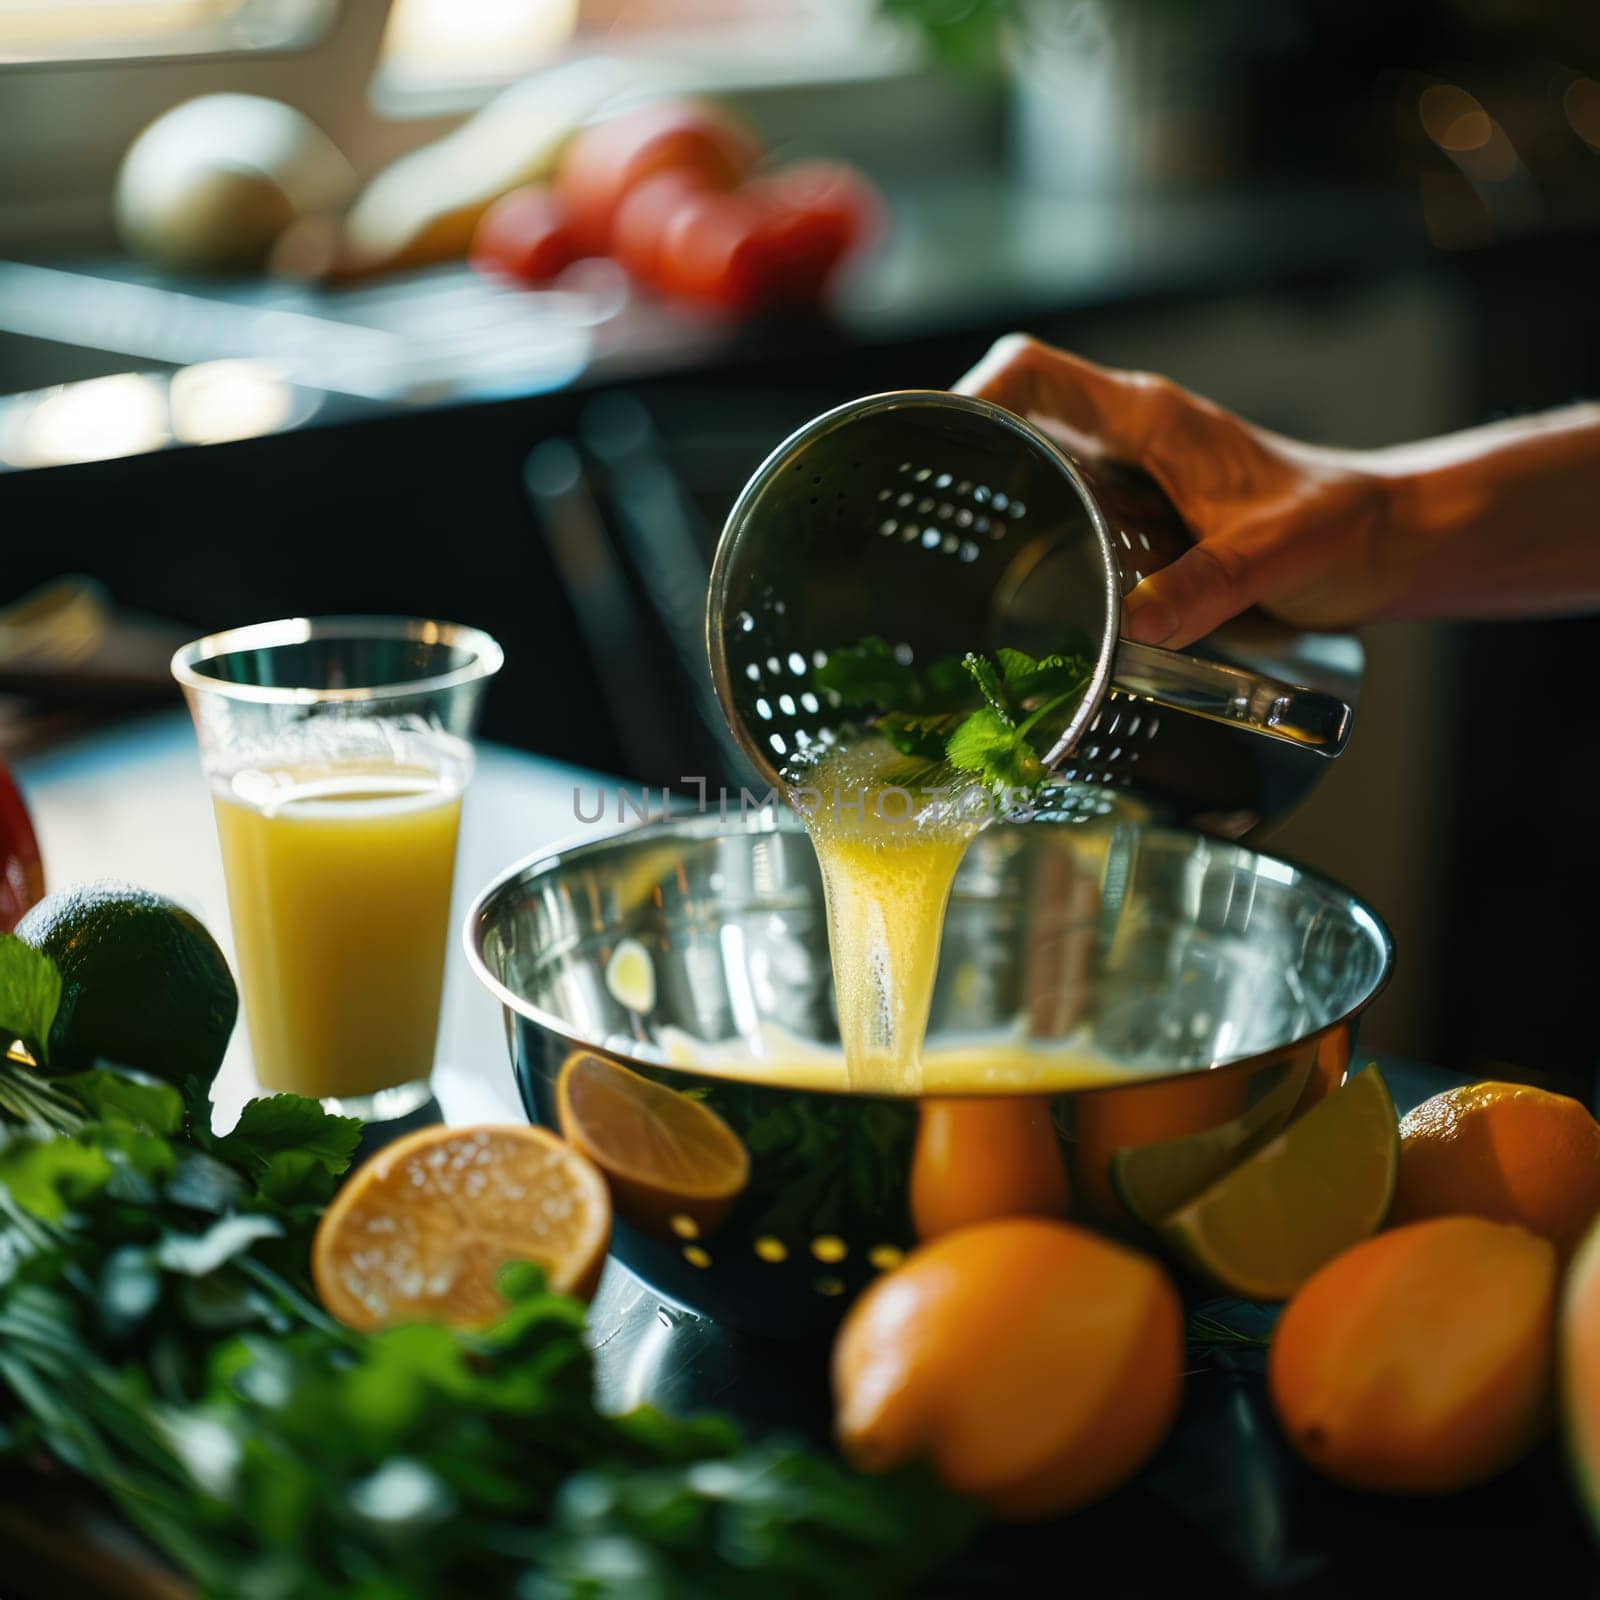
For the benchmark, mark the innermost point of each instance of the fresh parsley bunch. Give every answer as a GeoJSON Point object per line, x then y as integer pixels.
{"type": "Point", "coordinates": [159, 1335]}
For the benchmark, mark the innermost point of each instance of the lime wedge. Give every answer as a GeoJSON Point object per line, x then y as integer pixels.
{"type": "Point", "coordinates": [1153, 1180]}
{"type": "Point", "coordinates": [1322, 1185]}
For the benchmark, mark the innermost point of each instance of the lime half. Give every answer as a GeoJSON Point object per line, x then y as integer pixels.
{"type": "Point", "coordinates": [1322, 1185]}
{"type": "Point", "coordinates": [1153, 1180]}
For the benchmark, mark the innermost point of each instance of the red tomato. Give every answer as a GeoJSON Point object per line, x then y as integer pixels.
{"type": "Point", "coordinates": [605, 162]}
{"type": "Point", "coordinates": [774, 240]}
{"type": "Point", "coordinates": [709, 251]}
{"type": "Point", "coordinates": [642, 220]}
{"type": "Point", "coordinates": [813, 214]}
{"type": "Point", "coordinates": [526, 234]}
{"type": "Point", "coordinates": [21, 873]}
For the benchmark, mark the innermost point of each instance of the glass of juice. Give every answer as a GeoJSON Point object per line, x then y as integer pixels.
{"type": "Point", "coordinates": [338, 749]}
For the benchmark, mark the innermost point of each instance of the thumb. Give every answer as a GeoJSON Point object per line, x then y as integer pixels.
{"type": "Point", "coordinates": [1206, 586]}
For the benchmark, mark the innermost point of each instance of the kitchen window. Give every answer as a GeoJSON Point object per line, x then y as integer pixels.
{"type": "Point", "coordinates": [37, 31]}
{"type": "Point", "coordinates": [449, 54]}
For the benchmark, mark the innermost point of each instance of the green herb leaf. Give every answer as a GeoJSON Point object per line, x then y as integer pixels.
{"type": "Point", "coordinates": [1015, 666]}
{"type": "Point", "coordinates": [196, 1254]}
{"type": "Point", "coordinates": [868, 674]}
{"type": "Point", "coordinates": [47, 1178]}
{"type": "Point", "coordinates": [116, 1092]}
{"type": "Point", "coordinates": [982, 672]}
{"type": "Point", "coordinates": [30, 995]}
{"type": "Point", "coordinates": [921, 737]}
{"type": "Point", "coordinates": [293, 1149]}
{"type": "Point", "coordinates": [984, 743]}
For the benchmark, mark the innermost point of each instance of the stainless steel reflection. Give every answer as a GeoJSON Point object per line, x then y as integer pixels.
{"type": "Point", "coordinates": [1174, 960]}
{"type": "Point", "coordinates": [945, 523]}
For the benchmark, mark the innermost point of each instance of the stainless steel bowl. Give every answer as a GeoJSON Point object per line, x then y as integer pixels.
{"type": "Point", "coordinates": [1209, 986]}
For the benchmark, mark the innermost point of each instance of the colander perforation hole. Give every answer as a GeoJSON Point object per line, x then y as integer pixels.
{"type": "Point", "coordinates": [943, 481]}
{"type": "Point", "coordinates": [963, 518]}
{"type": "Point", "coordinates": [752, 672]}
{"type": "Point", "coordinates": [968, 551]}
{"type": "Point", "coordinates": [779, 744]}
{"type": "Point", "coordinates": [797, 664]}
{"type": "Point", "coordinates": [1127, 543]}
{"type": "Point", "coordinates": [909, 532]}
{"type": "Point", "coordinates": [887, 526]}
{"type": "Point", "coordinates": [764, 710]}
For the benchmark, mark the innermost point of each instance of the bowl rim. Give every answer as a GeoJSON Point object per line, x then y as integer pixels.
{"type": "Point", "coordinates": [696, 825]}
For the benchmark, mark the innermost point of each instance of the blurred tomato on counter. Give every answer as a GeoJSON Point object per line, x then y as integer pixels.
{"type": "Point", "coordinates": [672, 191]}
{"type": "Point", "coordinates": [21, 871]}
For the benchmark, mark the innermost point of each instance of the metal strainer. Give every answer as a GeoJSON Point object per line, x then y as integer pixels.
{"type": "Point", "coordinates": [943, 524]}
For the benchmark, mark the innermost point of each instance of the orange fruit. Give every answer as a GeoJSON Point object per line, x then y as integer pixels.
{"type": "Point", "coordinates": [979, 1159]}
{"type": "Point", "coordinates": [674, 1166]}
{"type": "Point", "coordinates": [420, 1230]}
{"type": "Point", "coordinates": [1580, 1371]}
{"type": "Point", "coordinates": [1034, 1365]}
{"type": "Point", "coordinates": [1421, 1361]}
{"type": "Point", "coordinates": [1503, 1151]}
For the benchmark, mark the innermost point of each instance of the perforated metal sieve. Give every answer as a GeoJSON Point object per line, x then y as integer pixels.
{"type": "Point", "coordinates": [944, 524]}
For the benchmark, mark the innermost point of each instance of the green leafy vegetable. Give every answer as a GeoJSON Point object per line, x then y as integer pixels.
{"type": "Point", "coordinates": [30, 994]}
{"type": "Point", "coordinates": [116, 1092]}
{"type": "Point", "coordinates": [974, 715]}
{"type": "Point", "coordinates": [159, 1335]}
{"type": "Point", "coordinates": [871, 674]}
{"type": "Point", "coordinates": [293, 1149]}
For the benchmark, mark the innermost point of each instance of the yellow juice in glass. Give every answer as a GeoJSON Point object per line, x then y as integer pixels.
{"type": "Point", "coordinates": [339, 883]}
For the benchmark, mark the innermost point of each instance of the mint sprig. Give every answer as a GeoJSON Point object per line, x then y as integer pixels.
{"type": "Point", "coordinates": [977, 715]}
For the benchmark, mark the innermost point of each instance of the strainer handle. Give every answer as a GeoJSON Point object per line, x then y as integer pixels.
{"type": "Point", "coordinates": [1305, 717]}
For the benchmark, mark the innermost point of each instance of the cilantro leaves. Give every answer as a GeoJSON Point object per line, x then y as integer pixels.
{"type": "Point", "coordinates": [159, 1335]}
{"type": "Point", "coordinates": [30, 994]}
{"type": "Point", "coordinates": [974, 714]}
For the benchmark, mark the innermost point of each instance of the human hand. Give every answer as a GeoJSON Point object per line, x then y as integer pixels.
{"type": "Point", "coordinates": [1296, 529]}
